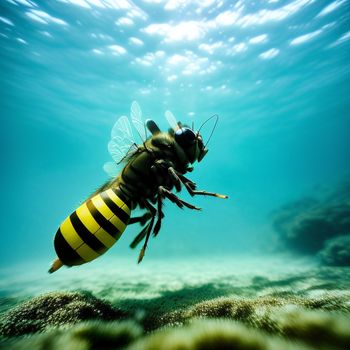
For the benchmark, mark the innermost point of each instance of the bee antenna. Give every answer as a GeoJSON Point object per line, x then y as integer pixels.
{"type": "Point", "coordinates": [212, 131]}
{"type": "Point", "coordinates": [192, 124]}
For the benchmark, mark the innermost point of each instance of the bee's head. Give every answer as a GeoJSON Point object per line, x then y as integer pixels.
{"type": "Point", "coordinates": [192, 143]}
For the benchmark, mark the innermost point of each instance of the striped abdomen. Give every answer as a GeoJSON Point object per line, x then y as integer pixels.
{"type": "Point", "coordinates": [92, 229]}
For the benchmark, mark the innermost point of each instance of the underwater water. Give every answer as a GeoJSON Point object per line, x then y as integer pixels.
{"type": "Point", "coordinates": [268, 264]}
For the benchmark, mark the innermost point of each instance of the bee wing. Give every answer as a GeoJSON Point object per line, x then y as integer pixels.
{"type": "Point", "coordinates": [122, 140]}
{"type": "Point", "coordinates": [136, 118]}
{"type": "Point", "coordinates": [171, 120]}
{"type": "Point", "coordinates": [111, 169]}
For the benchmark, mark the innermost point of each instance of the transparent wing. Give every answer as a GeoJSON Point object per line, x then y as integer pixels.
{"type": "Point", "coordinates": [122, 140]}
{"type": "Point", "coordinates": [136, 118]}
{"type": "Point", "coordinates": [171, 120]}
{"type": "Point", "coordinates": [111, 169]}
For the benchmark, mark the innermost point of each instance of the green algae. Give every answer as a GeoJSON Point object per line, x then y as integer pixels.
{"type": "Point", "coordinates": [262, 308]}
{"type": "Point", "coordinates": [83, 336]}
{"type": "Point", "coordinates": [265, 322]}
{"type": "Point", "coordinates": [55, 309]}
{"type": "Point", "coordinates": [213, 334]}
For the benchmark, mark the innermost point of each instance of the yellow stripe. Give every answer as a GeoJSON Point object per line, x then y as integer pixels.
{"type": "Point", "coordinates": [87, 253]}
{"type": "Point", "coordinates": [105, 237]}
{"type": "Point", "coordinates": [118, 201]}
{"type": "Point", "coordinates": [118, 223]}
{"type": "Point", "coordinates": [73, 239]}
{"type": "Point", "coordinates": [102, 207]}
{"type": "Point", "coordinates": [70, 235]}
{"type": "Point", "coordinates": [87, 219]}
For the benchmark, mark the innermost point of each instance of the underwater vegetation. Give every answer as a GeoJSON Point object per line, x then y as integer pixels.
{"type": "Point", "coordinates": [243, 303]}
{"type": "Point", "coordinates": [83, 336]}
{"type": "Point", "coordinates": [299, 312]}
{"type": "Point", "coordinates": [223, 323]}
{"type": "Point", "coordinates": [321, 226]}
{"type": "Point", "coordinates": [199, 334]}
{"type": "Point", "coordinates": [55, 309]}
{"type": "Point", "coordinates": [336, 251]}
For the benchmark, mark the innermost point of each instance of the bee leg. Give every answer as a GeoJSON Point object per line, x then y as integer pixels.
{"type": "Point", "coordinates": [160, 215]}
{"type": "Point", "coordinates": [148, 233]}
{"type": "Point", "coordinates": [175, 199]}
{"type": "Point", "coordinates": [151, 213]}
{"type": "Point", "coordinates": [141, 219]}
{"type": "Point", "coordinates": [139, 238]}
{"type": "Point", "coordinates": [175, 178]}
{"type": "Point", "coordinates": [183, 179]}
{"type": "Point", "coordinates": [191, 188]}
{"type": "Point", "coordinates": [160, 168]}
{"type": "Point", "coordinates": [203, 193]}
{"type": "Point", "coordinates": [148, 229]}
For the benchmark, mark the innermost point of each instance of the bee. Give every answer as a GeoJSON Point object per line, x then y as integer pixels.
{"type": "Point", "coordinates": [151, 170]}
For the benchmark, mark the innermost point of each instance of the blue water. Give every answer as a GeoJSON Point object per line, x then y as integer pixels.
{"type": "Point", "coordinates": [276, 72]}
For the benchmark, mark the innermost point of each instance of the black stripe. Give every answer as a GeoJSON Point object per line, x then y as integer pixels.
{"type": "Point", "coordinates": [65, 252]}
{"type": "Point", "coordinates": [102, 221]}
{"type": "Point", "coordinates": [118, 212]}
{"type": "Point", "coordinates": [86, 235]}
{"type": "Point", "coordinates": [122, 196]}
{"type": "Point", "coordinates": [125, 191]}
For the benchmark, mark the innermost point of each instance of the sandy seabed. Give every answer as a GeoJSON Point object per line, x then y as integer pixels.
{"type": "Point", "coordinates": [189, 303]}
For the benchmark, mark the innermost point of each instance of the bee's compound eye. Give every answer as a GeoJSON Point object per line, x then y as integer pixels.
{"type": "Point", "coordinates": [185, 137]}
{"type": "Point", "coordinates": [200, 142]}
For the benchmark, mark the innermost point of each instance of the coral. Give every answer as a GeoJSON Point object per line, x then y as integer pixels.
{"type": "Point", "coordinates": [273, 321]}
{"type": "Point", "coordinates": [55, 309]}
{"type": "Point", "coordinates": [290, 317]}
{"type": "Point", "coordinates": [336, 251]}
{"type": "Point", "coordinates": [213, 334]}
{"type": "Point", "coordinates": [319, 329]}
{"type": "Point", "coordinates": [290, 328]}
{"type": "Point", "coordinates": [307, 308]}
{"type": "Point", "coordinates": [83, 336]}
{"type": "Point", "coordinates": [305, 225]}
{"type": "Point", "coordinates": [254, 311]}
